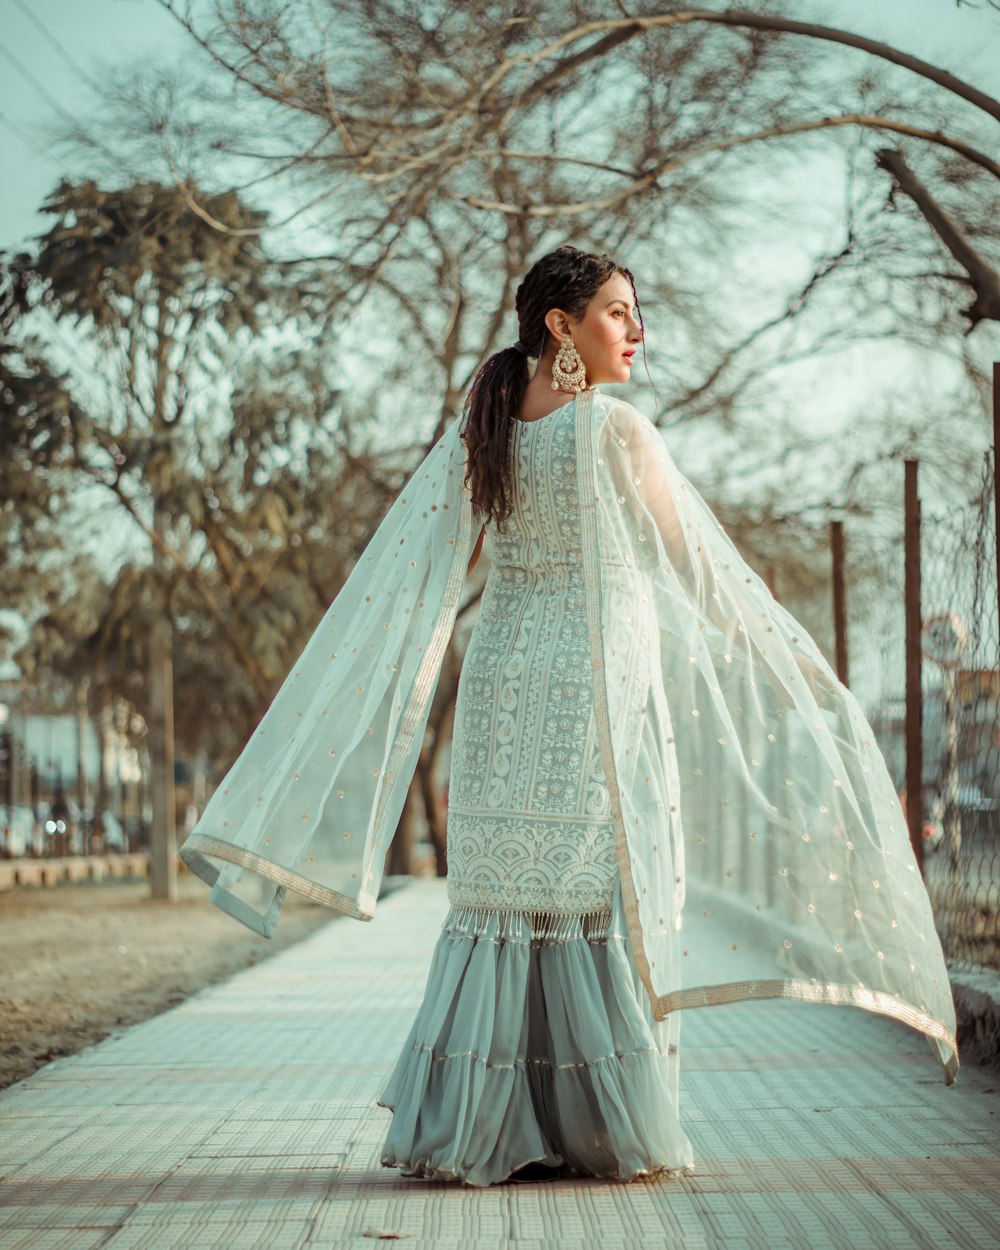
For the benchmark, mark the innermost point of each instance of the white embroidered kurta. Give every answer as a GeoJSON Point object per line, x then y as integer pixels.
{"type": "Point", "coordinates": [529, 814]}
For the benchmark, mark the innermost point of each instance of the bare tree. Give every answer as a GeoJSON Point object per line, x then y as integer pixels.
{"type": "Point", "coordinates": [419, 157]}
{"type": "Point", "coordinates": [437, 148]}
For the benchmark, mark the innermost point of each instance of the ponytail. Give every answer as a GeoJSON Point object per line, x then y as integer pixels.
{"type": "Point", "coordinates": [496, 395]}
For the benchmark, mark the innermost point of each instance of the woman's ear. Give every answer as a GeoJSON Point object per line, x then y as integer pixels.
{"type": "Point", "coordinates": [557, 324]}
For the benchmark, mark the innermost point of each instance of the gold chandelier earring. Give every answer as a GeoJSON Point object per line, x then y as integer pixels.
{"type": "Point", "coordinates": [568, 371]}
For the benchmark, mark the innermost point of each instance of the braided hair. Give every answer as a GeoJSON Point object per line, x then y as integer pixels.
{"type": "Point", "coordinates": [568, 279]}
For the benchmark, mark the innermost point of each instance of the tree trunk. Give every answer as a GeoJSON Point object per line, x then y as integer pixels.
{"type": "Point", "coordinates": [82, 720]}
{"type": "Point", "coordinates": [102, 731]}
{"type": "Point", "coordinates": [163, 836]}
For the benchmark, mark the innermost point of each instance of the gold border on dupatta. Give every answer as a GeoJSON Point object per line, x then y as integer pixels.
{"type": "Point", "coordinates": [430, 666]}
{"type": "Point", "coordinates": [832, 992]}
{"type": "Point", "coordinates": [204, 844]}
{"type": "Point", "coordinates": [586, 462]}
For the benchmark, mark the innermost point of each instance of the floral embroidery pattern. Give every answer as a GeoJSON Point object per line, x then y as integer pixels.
{"type": "Point", "coordinates": [529, 816]}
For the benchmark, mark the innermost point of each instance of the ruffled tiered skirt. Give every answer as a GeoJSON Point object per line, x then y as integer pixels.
{"type": "Point", "coordinates": [535, 1043]}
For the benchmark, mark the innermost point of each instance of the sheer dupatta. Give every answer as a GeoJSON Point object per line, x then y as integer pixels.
{"type": "Point", "coordinates": [764, 851]}
{"type": "Point", "coordinates": [314, 798]}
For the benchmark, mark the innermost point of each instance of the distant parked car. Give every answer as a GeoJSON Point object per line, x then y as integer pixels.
{"type": "Point", "coordinates": [61, 828]}
{"type": "Point", "coordinates": [102, 831]}
{"type": "Point", "coordinates": [17, 832]}
{"type": "Point", "coordinates": [137, 832]}
{"type": "Point", "coordinates": [115, 838]}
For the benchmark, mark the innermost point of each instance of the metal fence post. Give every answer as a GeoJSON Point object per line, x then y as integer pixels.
{"type": "Point", "coordinates": [839, 599]}
{"type": "Point", "coordinates": [996, 475]}
{"type": "Point", "coordinates": [914, 691]}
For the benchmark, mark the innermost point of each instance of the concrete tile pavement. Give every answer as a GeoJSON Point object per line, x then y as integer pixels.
{"type": "Point", "coordinates": [245, 1118]}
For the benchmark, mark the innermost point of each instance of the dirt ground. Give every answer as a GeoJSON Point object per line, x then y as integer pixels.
{"type": "Point", "coordinates": [78, 961]}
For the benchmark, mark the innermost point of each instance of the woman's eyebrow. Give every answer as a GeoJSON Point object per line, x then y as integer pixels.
{"type": "Point", "coordinates": [618, 301]}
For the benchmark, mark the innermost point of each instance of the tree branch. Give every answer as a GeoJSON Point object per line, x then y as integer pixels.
{"type": "Point", "coordinates": [983, 279]}
{"type": "Point", "coordinates": [625, 28]}
{"type": "Point", "coordinates": [641, 182]}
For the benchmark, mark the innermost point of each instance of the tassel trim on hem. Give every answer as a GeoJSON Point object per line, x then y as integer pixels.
{"type": "Point", "coordinates": [505, 925]}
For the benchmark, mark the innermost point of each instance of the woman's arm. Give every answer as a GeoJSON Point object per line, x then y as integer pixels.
{"type": "Point", "coordinates": [689, 556]}
{"type": "Point", "coordinates": [475, 554]}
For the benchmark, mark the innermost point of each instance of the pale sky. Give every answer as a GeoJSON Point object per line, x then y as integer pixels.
{"type": "Point", "coordinates": [95, 32]}
{"type": "Point", "coordinates": [38, 80]}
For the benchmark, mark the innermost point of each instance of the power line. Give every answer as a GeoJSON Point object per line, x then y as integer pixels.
{"type": "Point", "coordinates": [23, 135]}
{"type": "Point", "coordinates": [39, 86]}
{"type": "Point", "coordinates": [67, 56]}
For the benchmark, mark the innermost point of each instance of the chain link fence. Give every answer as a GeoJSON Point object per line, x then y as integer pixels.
{"type": "Point", "coordinates": [961, 725]}
{"type": "Point", "coordinates": [961, 714]}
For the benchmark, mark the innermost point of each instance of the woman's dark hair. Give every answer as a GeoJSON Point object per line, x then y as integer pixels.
{"type": "Point", "coordinates": [568, 279]}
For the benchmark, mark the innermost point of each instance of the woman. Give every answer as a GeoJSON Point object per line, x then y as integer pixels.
{"type": "Point", "coordinates": [660, 796]}
{"type": "Point", "coordinates": [536, 1041]}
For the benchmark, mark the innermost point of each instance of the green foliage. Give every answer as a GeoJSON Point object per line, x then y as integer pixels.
{"type": "Point", "coordinates": [212, 449]}
{"type": "Point", "coordinates": [112, 254]}
{"type": "Point", "coordinates": [40, 427]}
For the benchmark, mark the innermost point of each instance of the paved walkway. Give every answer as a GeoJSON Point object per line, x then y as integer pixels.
{"type": "Point", "coordinates": [246, 1118]}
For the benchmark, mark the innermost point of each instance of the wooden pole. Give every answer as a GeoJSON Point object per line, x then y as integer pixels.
{"type": "Point", "coordinates": [82, 723]}
{"type": "Point", "coordinates": [996, 475]}
{"type": "Point", "coordinates": [914, 691]}
{"type": "Point", "coordinates": [839, 599]}
{"type": "Point", "coordinates": [160, 736]}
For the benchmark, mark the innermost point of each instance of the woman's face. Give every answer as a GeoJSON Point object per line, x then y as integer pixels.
{"type": "Point", "coordinates": [608, 334]}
